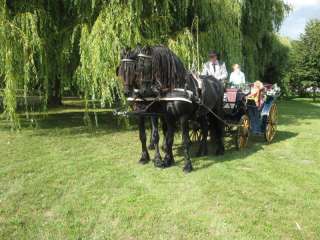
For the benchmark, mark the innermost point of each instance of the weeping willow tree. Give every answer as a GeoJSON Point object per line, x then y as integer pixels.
{"type": "Point", "coordinates": [48, 45]}
{"type": "Point", "coordinates": [22, 55]}
{"type": "Point", "coordinates": [260, 20]}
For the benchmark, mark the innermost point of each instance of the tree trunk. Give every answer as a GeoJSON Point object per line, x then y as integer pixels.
{"type": "Point", "coordinates": [55, 98]}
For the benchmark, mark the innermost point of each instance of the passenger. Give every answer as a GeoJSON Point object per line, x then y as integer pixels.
{"type": "Point", "coordinates": [237, 77]}
{"type": "Point", "coordinates": [214, 67]}
{"type": "Point", "coordinates": [256, 93]}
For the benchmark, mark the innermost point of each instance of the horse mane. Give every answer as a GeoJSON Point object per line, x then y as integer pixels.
{"type": "Point", "coordinates": [167, 69]}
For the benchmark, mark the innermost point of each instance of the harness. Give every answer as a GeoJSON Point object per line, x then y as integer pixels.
{"type": "Point", "coordinates": [189, 98]}
{"type": "Point", "coordinates": [152, 100]}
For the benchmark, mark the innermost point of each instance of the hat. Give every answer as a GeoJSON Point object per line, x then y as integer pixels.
{"type": "Point", "coordinates": [213, 53]}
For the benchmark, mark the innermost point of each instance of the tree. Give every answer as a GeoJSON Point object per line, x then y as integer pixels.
{"type": "Point", "coordinates": [305, 60]}
{"type": "Point", "coordinates": [50, 44]}
{"type": "Point", "coordinates": [277, 65]}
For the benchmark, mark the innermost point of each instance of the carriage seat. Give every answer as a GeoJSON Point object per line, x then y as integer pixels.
{"type": "Point", "coordinates": [230, 95]}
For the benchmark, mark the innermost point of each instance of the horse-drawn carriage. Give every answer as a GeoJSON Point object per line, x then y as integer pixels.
{"type": "Point", "coordinates": [243, 117]}
{"type": "Point", "coordinates": [157, 84]}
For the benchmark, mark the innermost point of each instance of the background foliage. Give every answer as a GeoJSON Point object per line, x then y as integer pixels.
{"type": "Point", "coordinates": [305, 61]}
{"type": "Point", "coordinates": [49, 46]}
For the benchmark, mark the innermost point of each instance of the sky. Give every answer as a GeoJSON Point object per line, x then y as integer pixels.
{"type": "Point", "coordinates": [303, 10]}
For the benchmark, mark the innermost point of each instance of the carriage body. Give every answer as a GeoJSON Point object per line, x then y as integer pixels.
{"type": "Point", "coordinates": [259, 124]}
{"type": "Point", "coordinates": [244, 118]}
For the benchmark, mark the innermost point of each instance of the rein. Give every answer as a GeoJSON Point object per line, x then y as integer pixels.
{"type": "Point", "coordinates": [143, 111]}
{"type": "Point", "coordinates": [149, 105]}
{"type": "Point", "coordinates": [219, 118]}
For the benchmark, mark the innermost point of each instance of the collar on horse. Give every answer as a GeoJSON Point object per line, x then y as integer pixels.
{"type": "Point", "coordinates": [188, 96]}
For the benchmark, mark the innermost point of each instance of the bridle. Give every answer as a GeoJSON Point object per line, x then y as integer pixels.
{"type": "Point", "coordinates": [145, 69]}
{"type": "Point", "coordinates": [127, 63]}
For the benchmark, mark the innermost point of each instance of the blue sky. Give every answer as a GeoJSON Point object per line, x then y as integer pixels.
{"type": "Point", "coordinates": [303, 10]}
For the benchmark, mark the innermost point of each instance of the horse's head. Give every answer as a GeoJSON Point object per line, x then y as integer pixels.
{"type": "Point", "coordinates": [149, 70]}
{"type": "Point", "coordinates": [126, 71]}
{"type": "Point", "coordinates": [145, 77]}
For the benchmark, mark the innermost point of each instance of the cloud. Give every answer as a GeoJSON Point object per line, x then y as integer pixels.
{"type": "Point", "coordinates": [297, 4]}
{"type": "Point", "coordinates": [303, 11]}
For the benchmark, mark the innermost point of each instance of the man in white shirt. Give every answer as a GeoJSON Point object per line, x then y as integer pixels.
{"type": "Point", "coordinates": [215, 68]}
{"type": "Point", "coordinates": [237, 78]}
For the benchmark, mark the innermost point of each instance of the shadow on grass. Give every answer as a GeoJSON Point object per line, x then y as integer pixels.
{"type": "Point", "coordinates": [256, 144]}
{"type": "Point", "coordinates": [290, 113]}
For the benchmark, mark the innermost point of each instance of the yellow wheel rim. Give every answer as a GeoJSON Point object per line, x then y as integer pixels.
{"type": "Point", "coordinates": [272, 122]}
{"type": "Point", "coordinates": [243, 132]}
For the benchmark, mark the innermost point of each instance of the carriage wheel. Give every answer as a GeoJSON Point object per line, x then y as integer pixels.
{"type": "Point", "coordinates": [272, 121]}
{"type": "Point", "coordinates": [195, 133]}
{"type": "Point", "coordinates": [243, 130]}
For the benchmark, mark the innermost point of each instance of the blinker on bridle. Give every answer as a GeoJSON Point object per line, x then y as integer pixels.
{"type": "Point", "coordinates": [127, 60]}
{"type": "Point", "coordinates": [147, 68]}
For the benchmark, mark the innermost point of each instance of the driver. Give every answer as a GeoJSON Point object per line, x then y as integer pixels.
{"type": "Point", "coordinates": [215, 68]}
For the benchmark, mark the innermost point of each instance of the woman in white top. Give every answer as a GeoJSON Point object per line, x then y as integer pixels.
{"type": "Point", "coordinates": [237, 78]}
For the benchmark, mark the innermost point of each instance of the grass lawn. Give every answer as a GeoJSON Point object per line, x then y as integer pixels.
{"type": "Point", "coordinates": [62, 181]}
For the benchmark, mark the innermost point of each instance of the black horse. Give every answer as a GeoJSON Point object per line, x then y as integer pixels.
{"type": "Point", "coordinates": [158, 83]}
{"type": "Point", "coordinates": [127, 71]}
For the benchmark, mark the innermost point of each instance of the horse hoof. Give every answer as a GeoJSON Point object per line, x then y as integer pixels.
{"type": "Point", "coordinates": [143, 161]}
{"type": "Point", "coordinates": [168, 161]}
{"type": "Point", "coordinates": [188, 168]}
{"type": "Point", "coordinates": [159, 164]}
{"type": "Point", "coordinates": [157, 159]}
{"type": "Point", "coordinates": [144, 158]}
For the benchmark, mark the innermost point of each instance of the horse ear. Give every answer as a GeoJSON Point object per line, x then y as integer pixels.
{"type": "Point", "coordinates": [122, 53]}
{"type": "Point", "coordinates": [125, 52]}
{"type": "Point", "coordinates": [148, 50]}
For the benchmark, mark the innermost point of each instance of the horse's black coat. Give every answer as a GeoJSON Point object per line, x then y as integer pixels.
{"type": "Point", "coordinates": [157, 71]}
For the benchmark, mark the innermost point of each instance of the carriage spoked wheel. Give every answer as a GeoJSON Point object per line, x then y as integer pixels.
{"type": "Point", "coordinates": [195, 132]}
{"type": "Point", "coordinates": [242, 134]}
{"type": "Point", "coordinates": [272, 122]}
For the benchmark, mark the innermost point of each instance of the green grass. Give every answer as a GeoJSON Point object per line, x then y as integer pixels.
{"type": "Point", "coordinates": [62, 181]}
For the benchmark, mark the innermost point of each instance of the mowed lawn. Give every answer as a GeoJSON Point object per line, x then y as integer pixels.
{"type": "Point", "coordinates": [62, 181]}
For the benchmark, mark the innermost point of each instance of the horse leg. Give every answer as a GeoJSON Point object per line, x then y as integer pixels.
{"type": "Point", "coordinates": [155, 136]}
{"type": "Point", "coordinates": [212, 130]}
{"type": "Point", "coordinates": [168, 159]}
{"type": "Point", "coordinates": [145, 158]}
{"type": "Point", "coordinates": [203, 149]}
{"type": "Point", "coordinates": [164, 131]}
{"type": "Point", "coordinates": [154, 121]}
{"type": "Point", "coordinates": [218, 128]}
{"type": "Point", "coordinates": [186, 144]}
